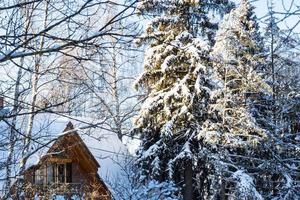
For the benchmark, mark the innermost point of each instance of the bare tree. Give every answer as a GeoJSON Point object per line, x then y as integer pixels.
{"type": "Point", "coordinates": [36, 39]}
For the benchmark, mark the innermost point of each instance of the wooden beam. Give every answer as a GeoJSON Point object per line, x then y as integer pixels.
{"type": "Point", "coordinates": [59, 160]}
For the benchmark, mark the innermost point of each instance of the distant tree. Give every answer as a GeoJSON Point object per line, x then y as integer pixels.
{"type": "Point", "coordinates": [283, 76]}
{"type": "Point", "coordinates": [101, 84]}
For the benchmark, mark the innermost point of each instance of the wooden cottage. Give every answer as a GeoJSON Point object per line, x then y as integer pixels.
{"type": "Point", "coordinates": [67, 169]}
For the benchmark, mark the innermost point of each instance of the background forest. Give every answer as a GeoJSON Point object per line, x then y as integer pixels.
{"type": "Point", "coordinates": [204, 94]}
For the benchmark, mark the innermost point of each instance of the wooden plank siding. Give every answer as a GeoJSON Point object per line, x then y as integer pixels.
{"type": "Point", "coordinates": [68, 148]}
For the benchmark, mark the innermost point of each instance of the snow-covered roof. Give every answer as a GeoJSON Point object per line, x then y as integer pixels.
{"type": "Point", "coordinates": [104, 145]}
{"type": "Point", "coordinates": [4, 111]}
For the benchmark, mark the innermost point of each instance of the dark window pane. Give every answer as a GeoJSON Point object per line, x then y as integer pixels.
{"type": "Point", "coordinates": [33, 177]}
{"type": "Point", "coordinates": [69, 172]}
{"type": "Point", "coordinates": [54, 172]}
{"type": "Point", "coordinates": [61, 173]}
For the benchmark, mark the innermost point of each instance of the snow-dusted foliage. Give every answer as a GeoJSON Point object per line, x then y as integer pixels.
{"type": "Point", "coordinates": [287, 149]}
{"type": "Point", "coordinates": [245, 148]}
{"type": "Point", "coordinates": [175, 75]}
{"type": "Point", "coordinates": [126, 185]}
{"type": "Point", "coordinates": [155, 190]}
{"type": "Point", "coordinates": [245, 187]}
{"type": "Point", "coordinates": [230, 133]}
{"type": "Point", "coordinates": [237, 54]}
{"type": "Point", "coordinates": [283, 76]}
{"type": "Point", "coordinates": [231, 129]}
{"type": "Point", "coordinates": [205, 124]}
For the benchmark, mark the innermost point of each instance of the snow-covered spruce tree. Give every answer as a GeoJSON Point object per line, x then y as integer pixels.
{"type": "Point", "coordinates": [231, 132]}
{"type": "Point", "coordinates": [175, 77]}
{"type": "Point", "coordinates": [237, 54]}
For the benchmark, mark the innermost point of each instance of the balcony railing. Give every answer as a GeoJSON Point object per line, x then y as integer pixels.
{"type": "Point", "coordinates": [58, 188]}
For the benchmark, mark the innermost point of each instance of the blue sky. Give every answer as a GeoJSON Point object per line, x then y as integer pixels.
{"type": "Point", "coordinates": [279, 6]}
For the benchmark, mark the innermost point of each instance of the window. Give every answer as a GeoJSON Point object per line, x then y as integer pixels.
{"type": "Point", "coordinates": [39, 176]}
{"type": "Point", "coordinates": [61, 173]}
{"type": "Point", "coordinates": [54, 173]}
{"type": "Point", "coordinates": [69, 172]}
{"type": "Point", "coordinates": [50, 174]}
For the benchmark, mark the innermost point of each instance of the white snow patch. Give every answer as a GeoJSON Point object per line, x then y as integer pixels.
{"type": "Point", "coordinates": [245, 186]}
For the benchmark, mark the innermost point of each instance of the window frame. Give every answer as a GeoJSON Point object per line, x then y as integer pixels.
{"type": "Point", "coordinates": [41, 176]}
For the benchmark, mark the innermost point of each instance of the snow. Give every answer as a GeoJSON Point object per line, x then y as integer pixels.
{"type": "Point", "coordinates": [167, 128]}
{"type": "Point", "coordinates": [152, 150]}
{"type": "Point", "coordinates": [245, 186]}
{"type": "Point", "coordinates": [184, 36]}
{"type": "Point", "coordinates": [59, 197]}
{"type": "Point", "coordinates": [5, 111]}
{"type": "Point", "coordinates": [167, 62]}
{"type": "Point", "coordinates": [185, 153]}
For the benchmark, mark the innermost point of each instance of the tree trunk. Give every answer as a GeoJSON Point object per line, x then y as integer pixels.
{"type": "Point", "coordinates": [12, 136]}
{"type": "Point", "coordinates": [222, 192]}
{"type": "Point", "coordinates": [188, 182]}
{"type": "Point", "coordinates": [32, 109]}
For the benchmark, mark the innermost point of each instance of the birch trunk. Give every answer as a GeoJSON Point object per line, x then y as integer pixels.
{"type": "Point", "coordinates": [32, 106]}
{"type": "Point", "coordinates": [16, 105]}
{"type": "Point", "coordinates": [12, 136]}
